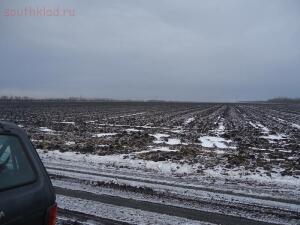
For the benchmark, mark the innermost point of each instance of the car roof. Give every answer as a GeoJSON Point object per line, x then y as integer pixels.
{"type": "Point", "coordinates": [9, 126]}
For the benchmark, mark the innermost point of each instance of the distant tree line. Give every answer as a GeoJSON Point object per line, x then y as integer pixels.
{"type": "Point", "coordinates": [26, 98]}
{"type": "Point", "coordinates": [15, 98]}
{"type": "Point", "coordinates": [71, 99]}
{"type": "Point", "coordinates": [284, 100]}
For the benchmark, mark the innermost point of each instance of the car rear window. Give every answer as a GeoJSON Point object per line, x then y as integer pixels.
{"type": "Point", "coordinates": [15, 168]}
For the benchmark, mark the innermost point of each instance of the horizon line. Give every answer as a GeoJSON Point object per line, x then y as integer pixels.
{"type": "Point", "coordinates": [98, 99]}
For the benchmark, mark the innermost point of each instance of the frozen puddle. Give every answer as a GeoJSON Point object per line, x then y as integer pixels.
{"type": "Point", "coordinates": [214, 142]}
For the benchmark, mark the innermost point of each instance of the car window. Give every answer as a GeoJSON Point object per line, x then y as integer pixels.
{"type": "Point", "coordinates": [15, 169]}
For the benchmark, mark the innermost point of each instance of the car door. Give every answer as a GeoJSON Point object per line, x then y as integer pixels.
{"type": "Point", "coordinates": [24, 195]}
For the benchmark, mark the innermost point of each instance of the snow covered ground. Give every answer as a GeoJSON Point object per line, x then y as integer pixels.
{"type": "Point", "coordinates": [239, 160]}
{"type": "Point", "coordinates": [170, 185]}
{"type": "Point", "coordinates": [165, 168]}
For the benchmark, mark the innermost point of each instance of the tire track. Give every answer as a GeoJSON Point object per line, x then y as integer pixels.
{"type": "Point", "coordinates": [83, 217]}
{"type": "Point", "coordinates": [192, 214]}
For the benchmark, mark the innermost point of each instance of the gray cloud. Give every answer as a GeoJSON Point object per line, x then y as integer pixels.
{"type": "Point", "coordinates": [167, 49]}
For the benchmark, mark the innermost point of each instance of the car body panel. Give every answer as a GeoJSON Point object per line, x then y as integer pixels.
{"type": "Point", "coordinates": [26, 204]}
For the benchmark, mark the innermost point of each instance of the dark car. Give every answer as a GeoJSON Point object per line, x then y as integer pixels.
{"type": "Point", "coordinates": [26, 193]}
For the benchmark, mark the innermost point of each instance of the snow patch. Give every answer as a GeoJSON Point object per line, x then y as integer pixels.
{"type": "Point", "coordinates": [173, 141]}
{"type": "Point", "coordinates": [46, 130]}
{"type": "Point", "coordinates": [159, 137]}
{"type": "Point", "coordinates": [161, 149]}
{"type": "Point", "coordinates": [273, 137]}
{"type": "Point", "coordinates": [296, 125]}
{"type": "Point", "coordinates": [264, 129]}
{"type": "Point", "coordinates": [103, 146]}
{"type": "Point", "coordinates": [122, 161]}
{"type": "Point", "coordinates": [133, 130]}
{"type": "Point", "coordinates": [104, 134]}
{"type": "Point", "coordinates": [70, 143]}
{"type": "Point", "coordinates": [212, 142]}
{"type": "Point", "coordinates": [177, 131]}
{"type": "Point", "coordinates": [189, 120]}
{"type": "Point", "coordinates": [65, 122]}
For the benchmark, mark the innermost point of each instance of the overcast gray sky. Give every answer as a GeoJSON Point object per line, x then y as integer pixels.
{"type": "Point", "coordinates": [160, 49]}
